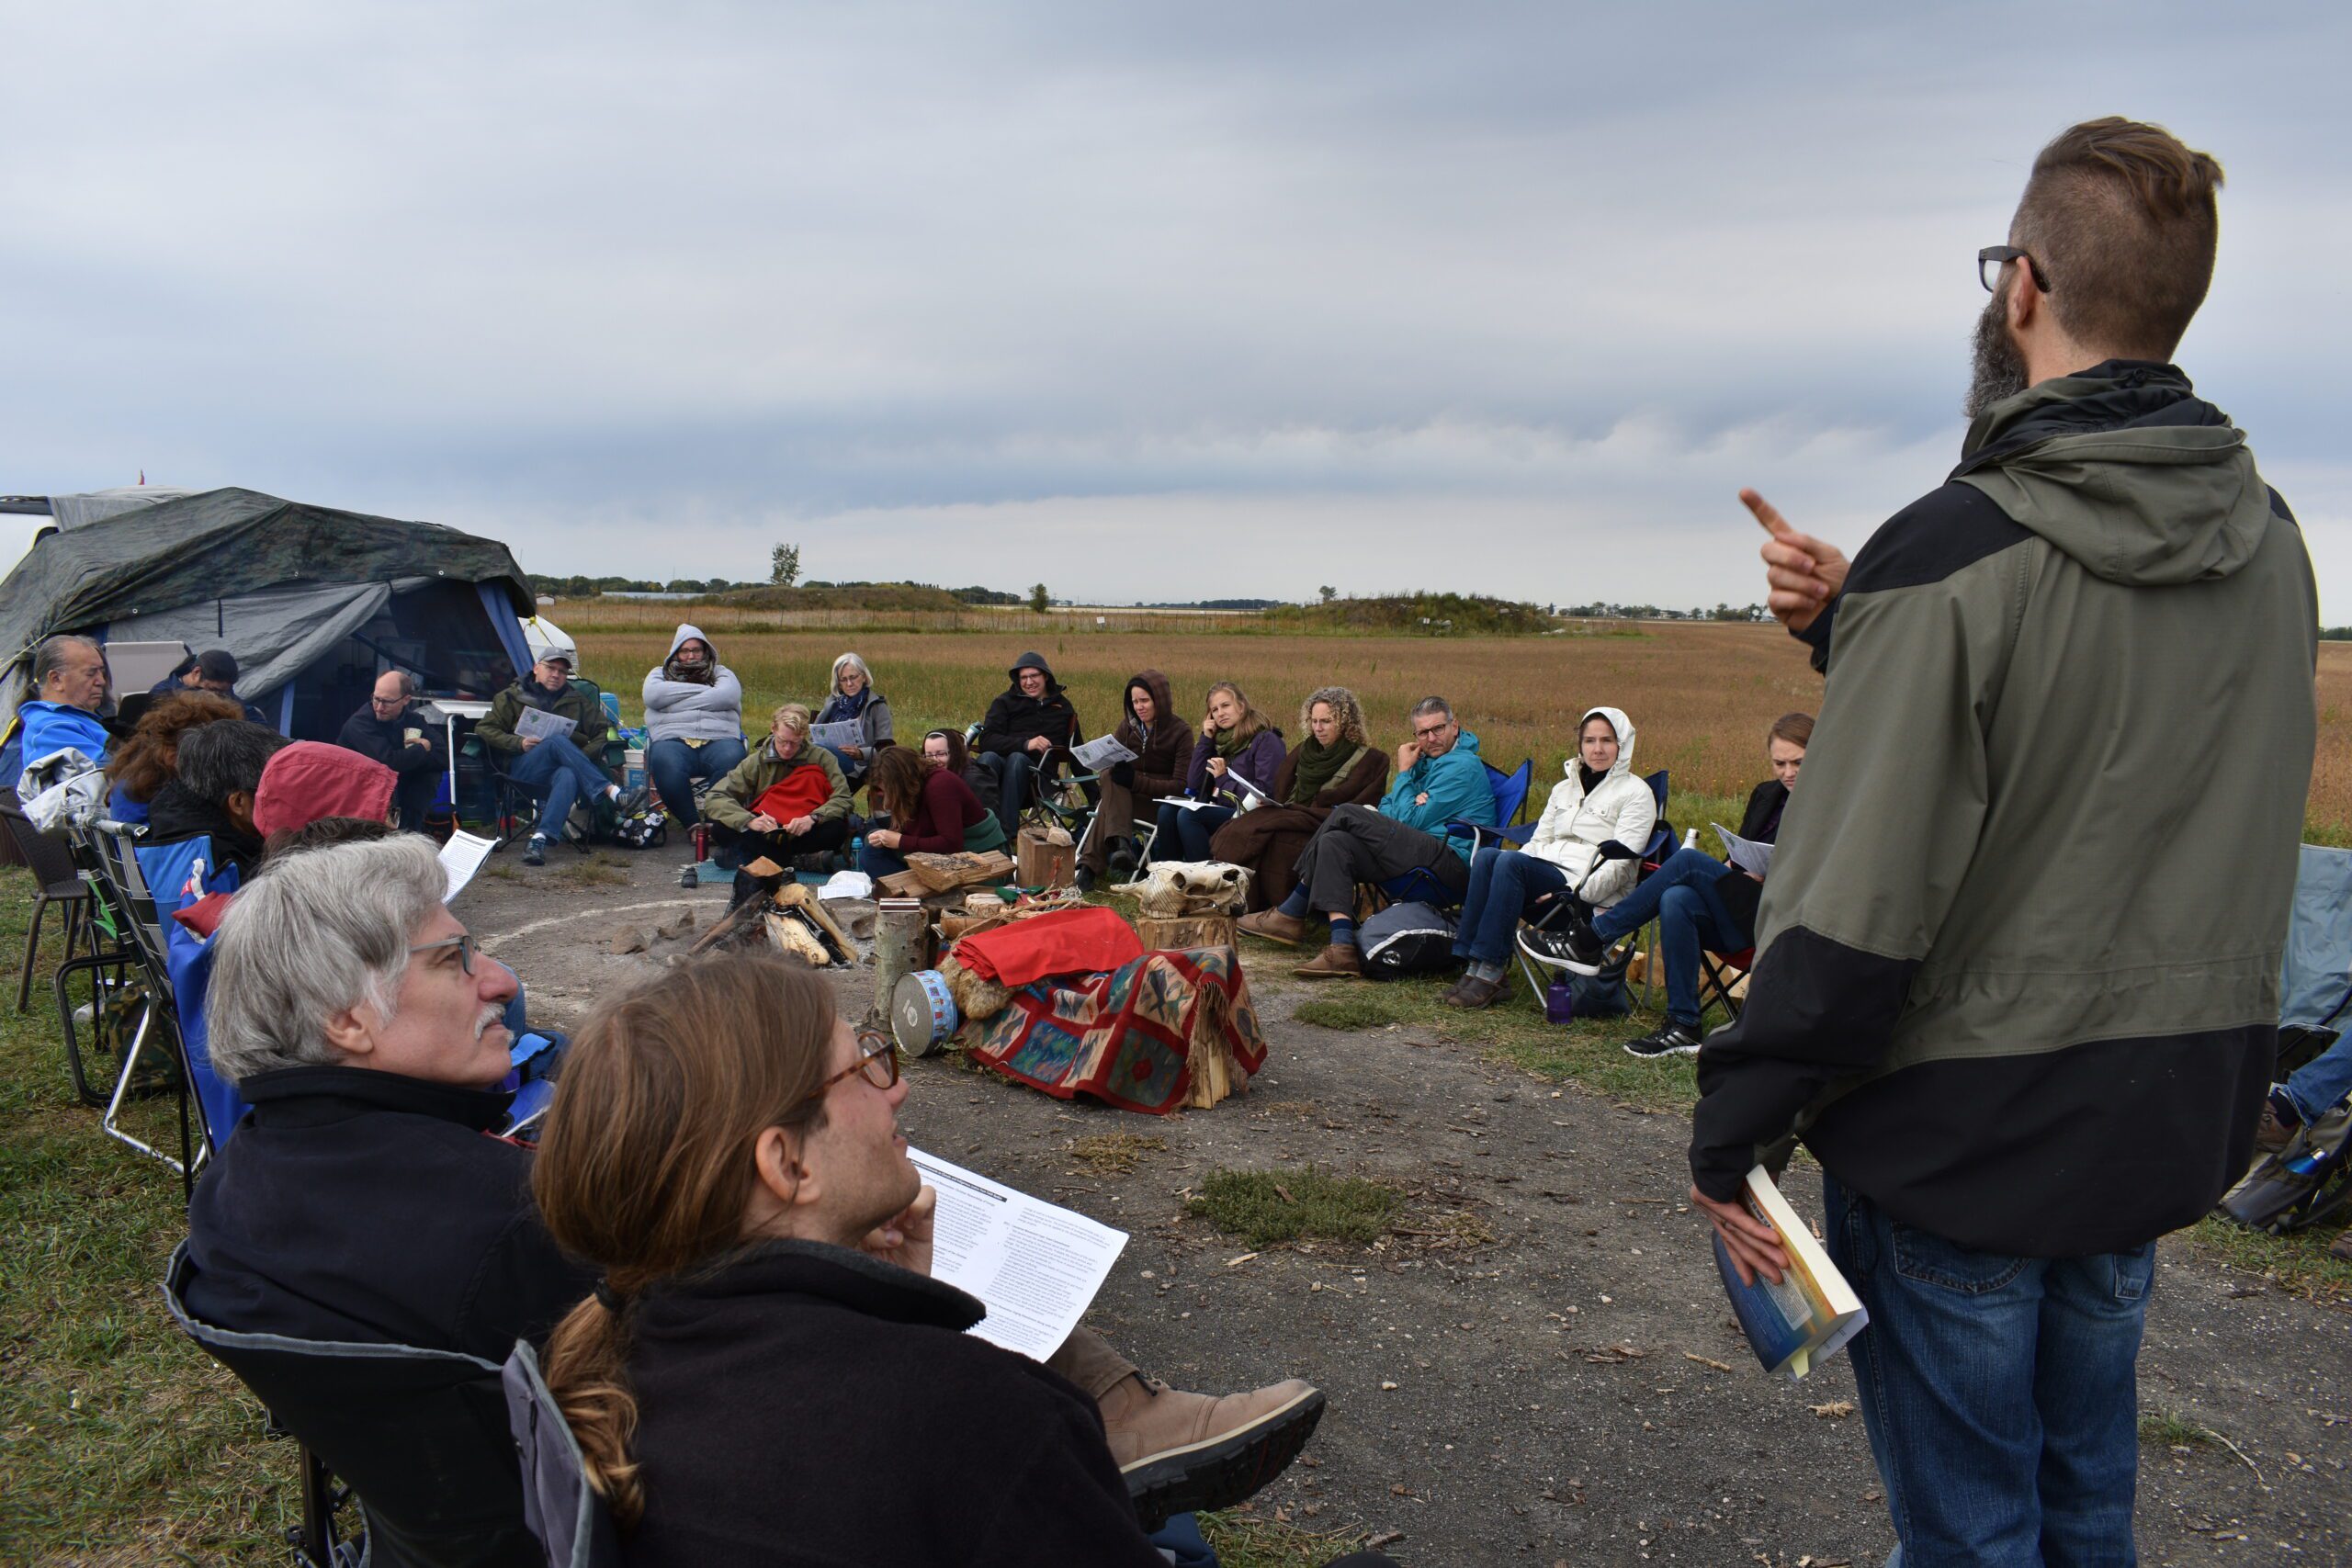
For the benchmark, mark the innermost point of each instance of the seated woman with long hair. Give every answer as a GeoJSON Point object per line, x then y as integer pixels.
{"type": "Point", "coordinates": [767, 1347]}
{"type": "Point", "coordinates": [1600, 801]}
{"type": "Point", "coordinates": [1132, 791]}
{"type": "Point", "coordinates": [932, 809]}
{"type": "Point", "coordinates": [1334, 764]}
{"type": "Point", "coordinates": [1700, 903]}
{"type": "Point", "coordinates": [149, 760]}
{"type": "Point", "coordinates": [1239, 749]}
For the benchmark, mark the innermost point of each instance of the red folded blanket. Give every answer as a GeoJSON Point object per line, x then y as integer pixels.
{"type": "Point", "coordinates": [1073, 942]}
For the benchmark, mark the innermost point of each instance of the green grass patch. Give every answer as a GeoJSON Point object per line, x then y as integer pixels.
{"type": "Point", "coordinates": [1588, 1051]}
{"type": "Point", "coordinates": [2168, 1431]}
{"type": "Point", "coordinates": [2297, 1263]}
{"type": "Point", "coordinates": [1263, 1207]}
{"type": "Point", "coordinates": [1245, 1541]}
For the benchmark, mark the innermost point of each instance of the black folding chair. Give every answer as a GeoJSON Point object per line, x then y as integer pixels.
{"type": "Point", "coordinates": [158, 1028]}
{"type": "Point", "coordinates": [417, 1438]}
{"type": "Point", "coordinates": [55, 881]}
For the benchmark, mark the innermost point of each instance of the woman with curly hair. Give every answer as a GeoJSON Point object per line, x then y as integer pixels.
{"type": "Point", "coordinates": [151, 758]}
{"type": "Point", "coordinates": [1334, 765]}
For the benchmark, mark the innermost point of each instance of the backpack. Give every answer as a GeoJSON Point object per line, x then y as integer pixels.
{"type": "Point", "coordinates": [1573, 995]}
{"type": "Point", "coordinates": [2302, 1184]}
{"type": "Point", "coordinates": [1406, 939]}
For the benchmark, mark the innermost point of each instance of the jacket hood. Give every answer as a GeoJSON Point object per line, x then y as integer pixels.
{"type": "Point", "coordinates": [311, 780]}
{"type": "Point", "coordinates": [1624, 729]}
{"type": "Point", "coordinates": [1032, 661]}
{"type": "Point", "coordinates": [1163, 705]}
{"type": "Point", "coordinates": [2127, 471]}
{"type": "Point", "coordinates": [685, 630]}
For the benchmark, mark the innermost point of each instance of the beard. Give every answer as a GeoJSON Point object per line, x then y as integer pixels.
{"type": "Point", "coordinates": [1996, 369]}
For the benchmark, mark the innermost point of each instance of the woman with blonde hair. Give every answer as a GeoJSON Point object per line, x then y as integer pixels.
{"type": "Point", "coordinates": [1335, 764]}
{"type": "Point", "coordinates": [787, 799]}
{"type": "Point", "coordinates": [853, 700]}
{"type": "Point", "coordinates": [1235, 761]}
{"type": "Point", "coordinates": [767, 1345]}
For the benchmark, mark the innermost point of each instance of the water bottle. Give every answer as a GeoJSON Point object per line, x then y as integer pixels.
{"type": "Point", "coordinates": [1691, 839]}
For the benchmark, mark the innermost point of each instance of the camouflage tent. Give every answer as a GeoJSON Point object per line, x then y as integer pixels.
{"type": "Point", "coordinates": [313, 601]}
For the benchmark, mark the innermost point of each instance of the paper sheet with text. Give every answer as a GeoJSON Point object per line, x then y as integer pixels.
{"type": "Point", "coordinates": [537, 723]}
{"type": "Point", "coordinates": [461, 858]}
{"type": "Point", "coordinates": [1035, 1266]}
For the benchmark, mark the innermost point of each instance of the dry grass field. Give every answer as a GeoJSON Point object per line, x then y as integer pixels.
{"type": "Point", "coordinates": [1701, 696]}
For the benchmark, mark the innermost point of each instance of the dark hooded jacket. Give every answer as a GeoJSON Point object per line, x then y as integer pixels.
{"type": "Point", "coordinates": [177, 813]}
{"type": "Point", "coordinates": [1015, 718]}
{"type": "Point", "coordinates": [1161, 749]}
{"type": "Point", "coordinates": [2018, 959]}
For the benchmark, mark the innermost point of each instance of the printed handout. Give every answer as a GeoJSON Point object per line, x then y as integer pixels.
{"type": "Point", "coordinates": [1096, 755]}
{"type": "Point", "coordinates": [537, 723]}
{"type": "Point", "coordinates": [1745, 854]}
{"type": "Point", "coordinates": [461, 858]}
{"type": "Point", "coordinates": [1035, 1266]}
{"type": "Point", "coordinates": [846, 733]}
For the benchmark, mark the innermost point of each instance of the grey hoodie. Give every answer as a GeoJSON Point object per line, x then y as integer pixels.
{"type": "Point", "coordinates": [2018, 972]}
{"type": "Point", "coordinates": [688, 710]}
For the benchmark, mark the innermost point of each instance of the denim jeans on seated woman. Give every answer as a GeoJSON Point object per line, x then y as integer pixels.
{"type": "Point", "coordinates": [878, 862]}
{"type": "Point", "coordinates": [1184, 835]}
{"type": "Point", "coordinates": [1681, 895]}
{"type": "Point", "coordinates": [673, 767]}
{"type": "Point", "coordinates": [1999, 1391]}
{"type": "Point", "coordinates": [2319, 1085]}
{"type": "Point", "coordinates": [1503, 882]}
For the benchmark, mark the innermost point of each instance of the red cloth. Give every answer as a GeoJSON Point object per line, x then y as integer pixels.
{"type": "Point", "coordinates": [311, 780]}
{"type": "Point", "coordinates": [796, 794]}
{"type": "Point", "coordinates": [203, 917]}
{"type": "Point", "coordinates": [1073, 942]}
{"type": "Point", "coordinates": [948, 807]}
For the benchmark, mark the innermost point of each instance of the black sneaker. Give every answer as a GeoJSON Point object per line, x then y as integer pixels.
{"type": "Point", "coordinates": [1572, 945]}
{"type": "Point", "coordinates": [536, 851]}
{"type": "Point", "coordinates": [1671, 1040]}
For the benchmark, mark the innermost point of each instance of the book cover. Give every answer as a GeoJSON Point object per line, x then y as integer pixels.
{"type": "Point", "coordinates": [1796, 1324]}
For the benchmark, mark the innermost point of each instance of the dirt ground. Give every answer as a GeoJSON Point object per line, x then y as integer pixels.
{"type": "Point", "coordinates": [1535, 1372]}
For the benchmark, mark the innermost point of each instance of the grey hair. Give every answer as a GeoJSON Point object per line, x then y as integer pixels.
{"type": "Point", "coordinates": [1429, 705]}
{"type": "Point", "coordinates": [226, 756]}
{"type": "Point", "coordinates": [851, 661]}
{"type": "Point", "coordinates": [49, 657]}
{"type": "Point", "coordinates": [313, 935]}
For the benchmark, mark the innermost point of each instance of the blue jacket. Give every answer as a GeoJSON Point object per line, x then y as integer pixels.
{"type": "Point", "coordinates": [1457, 788]}
{"type": "Point", "coordinates": [45, 729]}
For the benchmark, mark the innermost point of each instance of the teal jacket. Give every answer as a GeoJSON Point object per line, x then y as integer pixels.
{"type": "Point", "coordinates": [1457, 789]}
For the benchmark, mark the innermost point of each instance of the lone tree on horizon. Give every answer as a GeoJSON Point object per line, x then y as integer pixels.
{"type": "Point", "coordinates": [784, 566]}
{"type": "Point", "coordinates": [1039, 600]}
{"type": "Point", "coordinates": [1328, 592]}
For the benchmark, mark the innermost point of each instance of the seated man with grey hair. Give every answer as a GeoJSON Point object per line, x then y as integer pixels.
{"type": "Point", "coordinates": [69, 684]}
{"type": "Point", "coordinates": [1440, 779]}
{"type": "Point", "coordinates": [212, 792]}
{"type": "Point", "coordinates": [364, 1199]}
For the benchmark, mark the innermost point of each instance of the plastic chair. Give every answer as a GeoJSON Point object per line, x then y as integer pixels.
{"type": "Point", "coordinates": [558, 1505]}
{"type": "Point", "coordinates": [56, 881]}
{"type": "Point", "coordinates": [418, 1438]}
{"type": "Point", "coordinates": [1421, 886]}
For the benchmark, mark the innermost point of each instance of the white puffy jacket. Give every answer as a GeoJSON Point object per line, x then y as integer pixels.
{"type": "Point", "coordinates": [1575, 825]}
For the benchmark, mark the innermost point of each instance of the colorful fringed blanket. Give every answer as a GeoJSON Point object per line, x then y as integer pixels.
{"type": "Point", "coordinates": [1168, 1029]}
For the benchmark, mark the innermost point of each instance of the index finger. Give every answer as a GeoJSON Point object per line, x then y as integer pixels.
{"type": "Point", "coordinates": [1766, 513]}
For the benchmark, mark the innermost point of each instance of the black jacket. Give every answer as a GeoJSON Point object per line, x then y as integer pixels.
{"type": "Point", "coordinates": [177, 813]}
{"type": "Point", "coordinates": [365, 1206]}
{"type": "Point", "coordinates": [1016, 718]}
{"type": "Point", "coordinates": [380, 739]}
{"type": "Point", "coordinates": [1741, 893]}
{"type": "Point", "coordinates": [806, 1404]}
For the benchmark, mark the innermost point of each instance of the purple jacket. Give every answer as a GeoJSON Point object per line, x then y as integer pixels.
{"type": "Point", "coordinates": [1256, 762]}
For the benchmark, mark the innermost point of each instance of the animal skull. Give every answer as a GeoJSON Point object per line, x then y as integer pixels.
{"type": "Point", "coordinates": [1194, 887]}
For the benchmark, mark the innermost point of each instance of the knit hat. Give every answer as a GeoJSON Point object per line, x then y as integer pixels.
{"type": "Point", "coordinates": [309, 780]}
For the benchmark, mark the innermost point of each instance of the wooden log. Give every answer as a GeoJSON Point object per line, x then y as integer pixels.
{"type": "Point", "coordinates": [797, 894]}
{"type": "Point", "coordinates": [736, 919]}
{"type": "Point", "coordinates": [793, 939]}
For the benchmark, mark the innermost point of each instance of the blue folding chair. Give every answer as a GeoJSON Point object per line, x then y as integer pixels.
{"type": "Point", "coordinates": [1421, 886]}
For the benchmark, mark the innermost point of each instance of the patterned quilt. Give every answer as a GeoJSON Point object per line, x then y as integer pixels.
{"type": "Point", "coordinates": [1136, 1037]}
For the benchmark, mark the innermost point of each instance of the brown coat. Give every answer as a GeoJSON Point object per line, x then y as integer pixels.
{"type": "Point", "coordinates": [1267, 840]}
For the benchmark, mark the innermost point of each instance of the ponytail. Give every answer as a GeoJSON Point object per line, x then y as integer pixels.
{"type": "Point", "coordinates": [587, 1371]}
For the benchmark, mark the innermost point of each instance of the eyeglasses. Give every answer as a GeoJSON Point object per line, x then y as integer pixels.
{"type": "Point", "coordinates": [463, 941]}
{"type": "Point", "coordinates": [878, 1059]}
{"type": "Point", "coordinates": [1430, 734]}
{"type": "Point", "coordinates": [1992, 258]}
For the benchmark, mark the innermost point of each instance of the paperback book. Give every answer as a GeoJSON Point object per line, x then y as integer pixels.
{"type": "Point", "coordinates": [1796, 1324]}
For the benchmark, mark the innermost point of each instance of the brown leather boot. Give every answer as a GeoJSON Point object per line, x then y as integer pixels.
{"type": "Point", "coordinates": [1275, 926]}
{"type": "Point", "coordinates": [1333, 962]}
{"type": "Point", "coordinates": [2272, 1134]}
{"type": "Point", "coordinates": [1182, 1452]}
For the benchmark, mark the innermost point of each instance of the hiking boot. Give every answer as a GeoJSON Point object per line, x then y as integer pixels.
{"type": "Point", "coordinates": [2273, 1133]}
{"type": "Point", "coordinates": [1275, 926]}
{"type": "Point", "coordinates": [1572, 945]}
{"type": "Point", "coordinates": [1672, 1040]}
{"type": "Point", "coordinates": [1084, 880]}
{"type": "Point", "coordinates": [1333, 962]}
{"type": "Point", "coordinates": [1121, 860]}
{"type": "Point", "coordinates": [1184, 1452]}
{"type": "Point", "coordinates": [1472, 992]}
{"type": "Point", "coordinates": [536, 851]}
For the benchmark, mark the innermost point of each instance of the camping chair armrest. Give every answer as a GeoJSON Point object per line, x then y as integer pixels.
{"type": "Point", "coordinates": [1479, 835]}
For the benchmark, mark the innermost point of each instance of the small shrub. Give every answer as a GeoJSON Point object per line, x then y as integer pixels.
{"type": "Point", "coordinates": [1263, 1207]}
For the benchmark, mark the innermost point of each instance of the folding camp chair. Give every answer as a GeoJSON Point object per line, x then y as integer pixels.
{"type": "Point", "coordinates": [55, 881]}
{"type": "Point", "coordinates": [111, 964]}
{"type": "Point", "coordinates": [562, 1510]}
{"type": "Point", "coordinates": [1421, 886]}
{"type": "Point", "coordinates": [1652, 855]}
{"type": "Point", "coordinates": [418, 1439]}
{"type": "Point", "coordinates": [516, 805]}
{"type": "Point", "coordinates": [158, 1027]}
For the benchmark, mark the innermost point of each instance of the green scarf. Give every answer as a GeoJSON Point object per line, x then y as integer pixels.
{"type": "Point", "coordinates": [1317, 766]}
{"type": "Point", "coordinates": [1228, 743]}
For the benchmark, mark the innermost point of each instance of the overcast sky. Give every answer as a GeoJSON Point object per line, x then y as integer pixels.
{"type": "Point", "coordinates": [1179, 301]}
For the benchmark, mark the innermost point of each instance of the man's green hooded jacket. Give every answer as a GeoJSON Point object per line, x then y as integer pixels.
{"type": "Point", "coordinates": [2018, 963]}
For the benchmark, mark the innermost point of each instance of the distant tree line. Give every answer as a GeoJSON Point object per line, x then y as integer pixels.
{"type": "Point", "coordinates": [2336, 634]}
{"type": "Point", "coordinates": [1652, 612]}
{"type": "Point", "coordinates": [578, 587]}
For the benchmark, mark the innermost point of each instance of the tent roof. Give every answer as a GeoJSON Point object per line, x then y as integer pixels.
{"type": "Point", "coordinates": [220, 543]}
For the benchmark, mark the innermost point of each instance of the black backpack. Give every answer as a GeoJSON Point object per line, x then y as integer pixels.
{"type": "Point", "coordinates": [1406, 939]}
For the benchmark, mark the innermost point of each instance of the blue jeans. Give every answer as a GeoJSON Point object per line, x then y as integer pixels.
{"type": "Point", "coordinates": [1184, 835]}
{"type": "Point", "coordinates": [2319, 1085]}
{"type": "Point", "coordinates": [879, 863]}
{"type": "Point", "coordinates": [1680, 896]}
{"type": "Point", "coordinates": [558, 773]}
{"type": "Point", "coordinates": [1014, 771]}
{"type": "Point", "coordinates": [1503, 882]}
{"type": "Point", "coordinates": [673, 767]}
{"type": "Point", "coordinates": [1999, 1391]}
